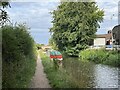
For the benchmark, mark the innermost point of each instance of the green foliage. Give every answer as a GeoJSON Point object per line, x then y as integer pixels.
{"type": "Point", "coordinates": [101, 56]}
{"type": "Point", "coordinates": [53, 44]}
{"type": "Point", "coordinates": [3, 13]}
{"type": "Point", "coordinates": [58, 78]}
{"type": "Point", "coordinates": [75, 25]}
{"type": "Point", "coordinates": [38, 46]}
{"type": "Point", "coordinates": [4, 4]}
{"type": "Point", "coordinates": [18, 56]}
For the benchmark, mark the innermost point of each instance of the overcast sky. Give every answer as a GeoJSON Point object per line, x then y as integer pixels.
{"type": "Point", "coordinates": [37, 16]}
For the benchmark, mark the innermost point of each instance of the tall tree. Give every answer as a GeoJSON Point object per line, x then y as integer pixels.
{"type": "Point", "coordinates": [74, 25]}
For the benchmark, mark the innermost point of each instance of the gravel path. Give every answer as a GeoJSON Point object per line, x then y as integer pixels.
{"type": "Point", "coordinates": [39, 80]}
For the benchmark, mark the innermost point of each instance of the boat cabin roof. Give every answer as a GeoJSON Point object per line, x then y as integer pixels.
{"type": "Point", "coordinates": [54, 52]}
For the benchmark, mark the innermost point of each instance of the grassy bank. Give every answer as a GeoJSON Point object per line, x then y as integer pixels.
{"type": "Point", "coordinates": [101, 56]}
{"type": "Point", "coordinates": [58, 78]}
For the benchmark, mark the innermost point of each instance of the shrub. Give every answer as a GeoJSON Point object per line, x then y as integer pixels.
{"type": "Point", "coordinates": [18, 56]}
{"type": "Point", "coordinates": [100, 56]}
{"type": "Point", "coordinates": [113, 59]}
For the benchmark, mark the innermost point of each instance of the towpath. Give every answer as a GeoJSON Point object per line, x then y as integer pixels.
{"type": "Point", "coordinates": [39, 80]}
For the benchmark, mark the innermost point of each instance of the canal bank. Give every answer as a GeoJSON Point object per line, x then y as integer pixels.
{"type": "Point", "coordinates": [88, 74]}
{"type": "Point", "coordinates": [101, 56]}
{"type": "Point", "coordinates": [80, 74]}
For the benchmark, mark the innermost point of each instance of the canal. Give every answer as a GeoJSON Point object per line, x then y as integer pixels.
{"type": "Point", "coordinates": [87, 74]}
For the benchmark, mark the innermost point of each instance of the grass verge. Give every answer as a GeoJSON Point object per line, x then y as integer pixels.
{"type": "Point", "coordinates": [58, 78]}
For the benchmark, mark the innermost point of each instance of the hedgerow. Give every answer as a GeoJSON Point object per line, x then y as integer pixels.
{"type": "Point", "coordinates": [18, 56]}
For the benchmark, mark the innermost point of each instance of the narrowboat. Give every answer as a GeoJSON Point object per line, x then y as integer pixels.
{"type": "Point", "coordinates": [56, 55]}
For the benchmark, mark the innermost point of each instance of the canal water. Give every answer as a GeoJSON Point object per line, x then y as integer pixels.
{"type": "Point", "coordinates": [87, 74]}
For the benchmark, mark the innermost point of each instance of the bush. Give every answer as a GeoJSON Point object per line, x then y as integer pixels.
{"type": "Point", "coordinates": [101, 56]}
{"type": "Point", "coordinates": [113, 59]}
{"type": "Point", "coordinates": [18, 56]}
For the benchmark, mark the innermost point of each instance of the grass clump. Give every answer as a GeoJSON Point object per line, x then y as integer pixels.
{"type": "Point", "coordinates": [101, 56]}
{"type": "Point", "coordinates": [58, 78]}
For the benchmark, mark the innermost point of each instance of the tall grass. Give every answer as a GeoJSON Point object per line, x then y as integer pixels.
{"type": "Point", "coordinates": [101, 56]}
{"type": "Point", "coordinates": [58, 78]}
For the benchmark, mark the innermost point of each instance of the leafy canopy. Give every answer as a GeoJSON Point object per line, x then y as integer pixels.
{"type": "Point", "coordinates": [75, 25]}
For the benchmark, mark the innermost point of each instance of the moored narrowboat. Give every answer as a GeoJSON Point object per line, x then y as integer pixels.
{"type": "Point", "coordinates": [56, 55]}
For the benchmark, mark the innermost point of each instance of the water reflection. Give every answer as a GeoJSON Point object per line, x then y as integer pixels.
{"type": "Point", "coordinates": [88, 75]}
{"type": "Point", "coordinates": [106, 77]}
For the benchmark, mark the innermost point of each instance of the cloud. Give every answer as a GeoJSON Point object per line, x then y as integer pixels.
{"type": "Point", "coordinates": [38, 18]}
{"type": "Point", "coordinates": [114, 1]}
{"type": "Point", "coordinates": [109, 8]}
{"type": "Point", "coordinates": [35, 0]}
{"type": "Point", "coordinates": [37, 15]}
{"type": "Point", "coordinates": [111, 15]}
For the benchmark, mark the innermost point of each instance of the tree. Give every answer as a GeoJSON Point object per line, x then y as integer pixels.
{"type": "Point", "coordinates": [3, 13]}
{"type": "Point", "coordinates": [53, 44]}
{"type": "Point", "coordinates": [75, 25]}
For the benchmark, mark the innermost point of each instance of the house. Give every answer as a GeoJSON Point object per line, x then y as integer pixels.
{"type": "Point", "coordinates": [116, 35]}
{"type": "Point", "coordinates": [109, 40]}
{"type": "Point", "coordinates": [103, 39]}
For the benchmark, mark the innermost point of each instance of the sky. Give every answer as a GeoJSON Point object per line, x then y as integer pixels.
{"type": "Point", "coordinates": [36, 14]}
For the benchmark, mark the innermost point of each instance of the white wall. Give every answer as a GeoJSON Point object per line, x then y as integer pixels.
{"type": "Point", "coordinates": [99, 41]}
